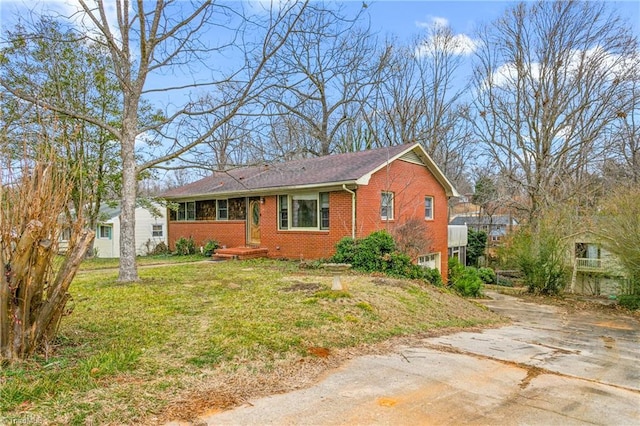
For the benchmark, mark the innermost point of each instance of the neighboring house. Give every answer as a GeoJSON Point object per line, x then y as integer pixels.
{"type": "Point", "coordinates": [594, 270]}
{"type": "Point", "coordinates": [151, 229]}
{"type": "Point", "coordinates": [496, 226]}
{"type": "Point", "coordinates": [301, 209]}
{"type": "Point", "coordinates": [457, 242]}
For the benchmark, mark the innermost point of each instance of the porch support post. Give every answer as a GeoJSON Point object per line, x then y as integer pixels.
{"type": "Point", "coordinates": [353, 210]}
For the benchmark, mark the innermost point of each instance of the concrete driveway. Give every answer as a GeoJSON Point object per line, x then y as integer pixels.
{"type": "Point", "coordinates": [548, 367]}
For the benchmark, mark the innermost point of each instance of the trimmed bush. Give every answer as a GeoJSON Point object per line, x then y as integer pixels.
{"type": "Point", "coordinates": [185, 246]}
{"type": "Point", "coordinates": [209, 247]}
{"type": "Point", "coordinates": [629, 301]}
{"type": "Point", "coordinates": [487, 275]}
{"type": "Point", "coordinates": [433, 276]}
{"type": "Point", "coordinates": [378, 253]}
{"type": "Point", "coordinates": [370, 251]}
{"type": "Point", "coordinates": [345, 251]}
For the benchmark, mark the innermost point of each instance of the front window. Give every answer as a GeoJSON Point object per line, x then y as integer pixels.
{"type": "Point", "coordinates": [428, 208]}
{"type": "Point", "coordinates": [187, 211]}
{"type": "Point", "coordinates": [222, 212]}
{"type": "Point", "coordinates": [104, 232]}
{"type": "Point", "coordinates": [386, 206]}
{"type": "Point", "coordinates": [306, 211]}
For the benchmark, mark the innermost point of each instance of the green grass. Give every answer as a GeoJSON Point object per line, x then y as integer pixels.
{"type": "Point", "coordinates": [97, 263]}
{"type": "Point", "coordinates": [129, 350]}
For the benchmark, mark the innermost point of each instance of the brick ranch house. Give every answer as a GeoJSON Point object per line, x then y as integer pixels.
{"type": "Point", "coordinates": [301, 209]}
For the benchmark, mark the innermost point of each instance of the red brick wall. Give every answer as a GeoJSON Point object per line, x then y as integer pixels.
{"type": "Point", "coordinates": [230, 233]}
{"type": "Point", "coordinates": [410, 183]}
{"type": "Point", "coordinates": [306, 244]}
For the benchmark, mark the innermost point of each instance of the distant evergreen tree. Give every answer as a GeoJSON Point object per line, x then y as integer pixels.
{"type": "Point", "coordinates": [477, 243]}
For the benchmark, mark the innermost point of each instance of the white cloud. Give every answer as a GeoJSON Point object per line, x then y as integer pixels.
{"type": "Point", "coordinates": [441, 38]}
{"type": "Point", "coordinates": [433, 21]}
{"type": "Point", "coordinates": [613, 65]}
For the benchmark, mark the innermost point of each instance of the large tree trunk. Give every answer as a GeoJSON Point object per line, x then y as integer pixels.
{"type": "Point", "coordinates": [128, 269]}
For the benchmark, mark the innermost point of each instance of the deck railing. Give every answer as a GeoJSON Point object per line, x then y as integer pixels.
{"type": "Point", "coordinates": [586, 264]}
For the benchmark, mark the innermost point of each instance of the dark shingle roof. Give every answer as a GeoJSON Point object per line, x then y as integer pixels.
{"type": "Point", "coordinates": [332, 169]}
{"type": "Point", "coordinates": [482, 220]}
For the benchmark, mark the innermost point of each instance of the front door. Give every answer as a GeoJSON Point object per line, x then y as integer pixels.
{"type": "Point", "coordinates": [254, 222]}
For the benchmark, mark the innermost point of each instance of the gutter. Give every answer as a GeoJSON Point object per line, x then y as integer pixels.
{"type": "Point", "coordinates": [353, 210]}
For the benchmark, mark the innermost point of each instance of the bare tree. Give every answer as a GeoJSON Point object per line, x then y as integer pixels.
{"type": "Point", "coordinates": [419, 99]}
{"type": "Point", "coordinates": [325, 71]}
{"type": "Point", "coordinates": [622, 164]}
{"type": "Point", "coordinates": [550, 80]}
{"type": "Point", "coordinates": [171, 37]}
{"type": "Point", "coordinates": [620, 221]}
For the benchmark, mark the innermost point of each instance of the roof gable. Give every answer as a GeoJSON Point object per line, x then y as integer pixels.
{"type": "Point", "coordinates": [348, 168]}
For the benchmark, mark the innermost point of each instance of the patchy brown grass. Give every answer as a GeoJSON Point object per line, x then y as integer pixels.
{"type": "Point", "coordinates": [194, 338]}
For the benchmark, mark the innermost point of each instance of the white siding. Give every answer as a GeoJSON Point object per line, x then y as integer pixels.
{"type": "Point", "coordinates": [458, 236]}
{"type": "Point", "coordinates": [144, 229]}
{"type": "Point", "coordinates": [143, 233]}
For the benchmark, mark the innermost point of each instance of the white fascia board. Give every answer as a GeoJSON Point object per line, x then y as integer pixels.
{"type": "Point", "coordinates": [329, 186]}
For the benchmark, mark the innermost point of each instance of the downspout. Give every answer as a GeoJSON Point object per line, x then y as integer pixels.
{"type": "Point", "coordinates": [353, 210]}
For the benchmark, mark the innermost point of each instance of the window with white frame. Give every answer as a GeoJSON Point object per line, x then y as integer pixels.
{"type": "Point", "coordinates": [324, 210]}
{"type": "Point", "coordinates": [104, 232]}
{"type": "Point", "coordinates": [428, 208]}
{"type": "Point", "coordinates": [303, 211]}
{"type": "Point", "coordinates": [65, 234]}
{"type": "Point", "coordinates": [386, 206]}
{"type": "Point", "coordinates": [186, 211]}
{"type": "Point", "coordinates": [283, 211]}
{"type": "Point", "coordinates": [431, 260]}
{"type": "Point", "coordinates": [222, 209]}
{"type": "Point", "coordinates": [157, 230]}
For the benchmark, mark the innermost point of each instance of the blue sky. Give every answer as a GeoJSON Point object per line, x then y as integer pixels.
{"type": "Point", "coordinates": [390, 16]}
{"type": "Point", "coordinates": [404, 17]}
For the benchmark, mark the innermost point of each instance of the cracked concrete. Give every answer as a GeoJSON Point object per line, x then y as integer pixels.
{"type": "Point", "coordinates": [548, 367]}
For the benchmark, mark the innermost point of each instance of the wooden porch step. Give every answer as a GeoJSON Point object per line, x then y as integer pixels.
{"type": "Point", "coordinates": [240, 253]}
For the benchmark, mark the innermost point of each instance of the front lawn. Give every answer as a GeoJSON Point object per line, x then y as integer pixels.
{"type": "Point", "coordinates": [194, 337]}
{"type": "Point", "coordinates": [95, 263]}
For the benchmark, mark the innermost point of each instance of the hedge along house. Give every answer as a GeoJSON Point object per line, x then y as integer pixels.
{"type": "Point", "coordinates": [301, 209]}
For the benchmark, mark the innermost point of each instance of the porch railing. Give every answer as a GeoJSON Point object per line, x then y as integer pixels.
{"type": "Point", "coordinates": [586, 264]}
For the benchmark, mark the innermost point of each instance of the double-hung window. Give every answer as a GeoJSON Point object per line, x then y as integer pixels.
{"type": "Point", "coordinates": [303, 211]}
{"type": "Point", "coordinates": [187, 211]}
{"type": "Point", "coordinates": [157, 230]}
{"type": "Point", "coordinates": [283, 211]}
{"type": "Point", "coordinates": [324, 210]}
{"type": "Point", "coordinates": [386, 206]}
{"type": "Point", "coordinates": [104, 232]}
{"type": "Point", "coordinates": [222, 209]}
{"type": "Point", "coordinates": [428, 208]}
